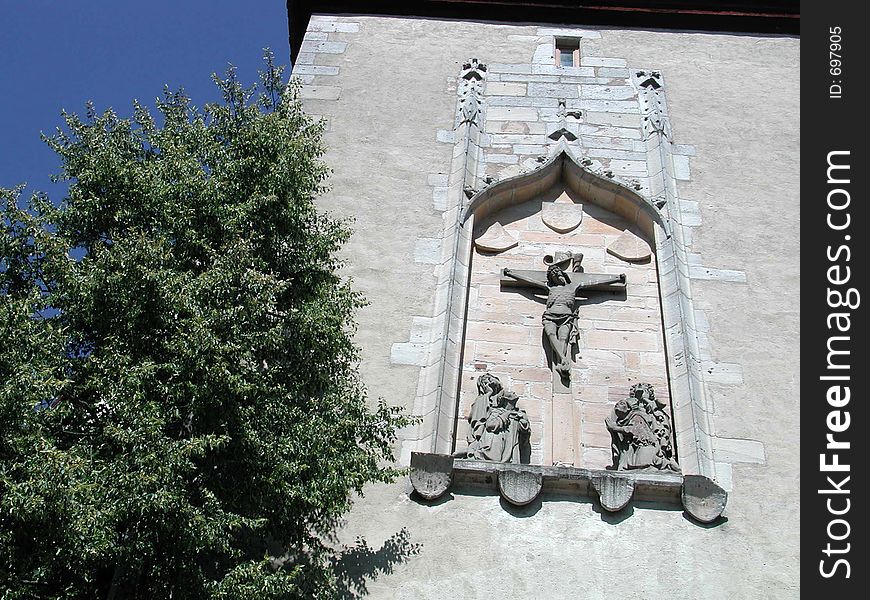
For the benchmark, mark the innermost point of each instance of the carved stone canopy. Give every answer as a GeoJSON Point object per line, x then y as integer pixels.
{"type": "Point", "coordinates": [562, 165]}
{"type": "Point", "coordinates": [644, 462]}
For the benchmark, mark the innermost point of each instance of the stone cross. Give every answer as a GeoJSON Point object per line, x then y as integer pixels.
{"type": "Point", "coordinates": [560, 314]}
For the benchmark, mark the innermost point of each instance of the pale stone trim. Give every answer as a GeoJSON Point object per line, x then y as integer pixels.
{"type": "Point", "coordinates": [714, 274]}
{"type": "Point", "coordinates": [320, 39]}
{"type": "Point", "coordinates": [436, 431]}
{"type": "Point", "coordinates": [568, 32]}
{"type": "Point", "coordinates": [724, 373]}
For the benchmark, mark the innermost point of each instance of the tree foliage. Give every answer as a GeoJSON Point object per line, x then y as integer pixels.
{"type": "Point", "coordinates": [181, 414]}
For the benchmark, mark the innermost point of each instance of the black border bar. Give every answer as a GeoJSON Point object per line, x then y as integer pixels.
{"type": "Point", "coordinates": [767, 16]}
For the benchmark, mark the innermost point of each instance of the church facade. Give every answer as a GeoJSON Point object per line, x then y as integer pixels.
{"type": "Point", "coordinates": [580, 248]}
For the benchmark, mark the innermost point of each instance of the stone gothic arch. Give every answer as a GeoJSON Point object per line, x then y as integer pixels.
{"type": "Point", "coordinates": [690, 418]}
{"type": "Point", "coordinates": [563, 166]}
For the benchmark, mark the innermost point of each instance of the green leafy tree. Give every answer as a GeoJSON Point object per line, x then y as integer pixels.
{"type": "Point", "coordinates": [181, 414]}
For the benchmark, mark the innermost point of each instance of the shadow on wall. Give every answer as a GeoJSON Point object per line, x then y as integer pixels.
{"type": "Point", "coordinates": [360, 563]}
{"type": "Point", "coordinates": [532, 509]}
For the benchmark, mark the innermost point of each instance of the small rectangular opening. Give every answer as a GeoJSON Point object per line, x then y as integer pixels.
{"type": "Point", "coordinates": [568, 52]}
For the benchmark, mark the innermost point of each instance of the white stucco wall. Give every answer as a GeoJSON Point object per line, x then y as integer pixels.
{"type": "Point", "coordinates": [388, 89]}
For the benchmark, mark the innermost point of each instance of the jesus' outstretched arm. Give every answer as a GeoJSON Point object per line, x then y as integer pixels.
{"type": "Point", "coordinates": [519, 277]}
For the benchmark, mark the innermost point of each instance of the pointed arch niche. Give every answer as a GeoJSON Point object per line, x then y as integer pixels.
{"type": "Point", "coordinates": [620, 337]}
{"type": "Point", "coordinates": [644, 335]}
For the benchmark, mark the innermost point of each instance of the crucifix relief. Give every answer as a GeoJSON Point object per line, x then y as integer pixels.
{"type": "Point", "coordinates": [560, 315]}
{"type": "Point", "coordinates": [568, 333]}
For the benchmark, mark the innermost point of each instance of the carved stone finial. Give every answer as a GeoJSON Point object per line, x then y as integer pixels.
{"type": "Point", "coordinates": [655, 120]}
{"type": "Point", "coordinates": [649, 79]}
{"type": "Point", "coordinates": [497, 430]}
{"type": "Point", "coordinates": [470, 83]}
{"type": "Point", "coordinates": [473, 69]}
{"type": "Point", "coordinates": [640, 431]}
{"type": "Point", "coordinates": [654, 123]}
{"type": "Point", "coordinates": [563, 131]}
{"type": "Point", "coordinates": [469, 108]}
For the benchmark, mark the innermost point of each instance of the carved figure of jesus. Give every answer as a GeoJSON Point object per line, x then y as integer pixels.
{"type": "Point", "coordinates": [560, 315]}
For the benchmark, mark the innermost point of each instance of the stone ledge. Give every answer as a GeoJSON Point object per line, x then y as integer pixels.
{"type": "Point", "coordinates": [615, 489]}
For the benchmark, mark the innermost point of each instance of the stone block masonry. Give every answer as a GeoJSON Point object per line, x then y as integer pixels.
{"type": "Point", "coordinates": [322, 39]}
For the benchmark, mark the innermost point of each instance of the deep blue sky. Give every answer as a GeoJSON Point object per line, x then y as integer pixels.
{"type": "Point", "coordinates": [58, 54]}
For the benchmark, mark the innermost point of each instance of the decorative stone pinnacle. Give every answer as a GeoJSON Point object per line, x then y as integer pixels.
{"type": "Point", "coordinates": [473, 69]}
{"type": "Point", "coordinates": [652, 79]}
{"type": "Point", "coordinates": [563, 131]}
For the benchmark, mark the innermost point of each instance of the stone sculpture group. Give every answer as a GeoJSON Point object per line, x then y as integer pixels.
{"type": "Point", "coordinates": [640, 430]}
{"type": "Point", "coordinates": [497, 430]}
